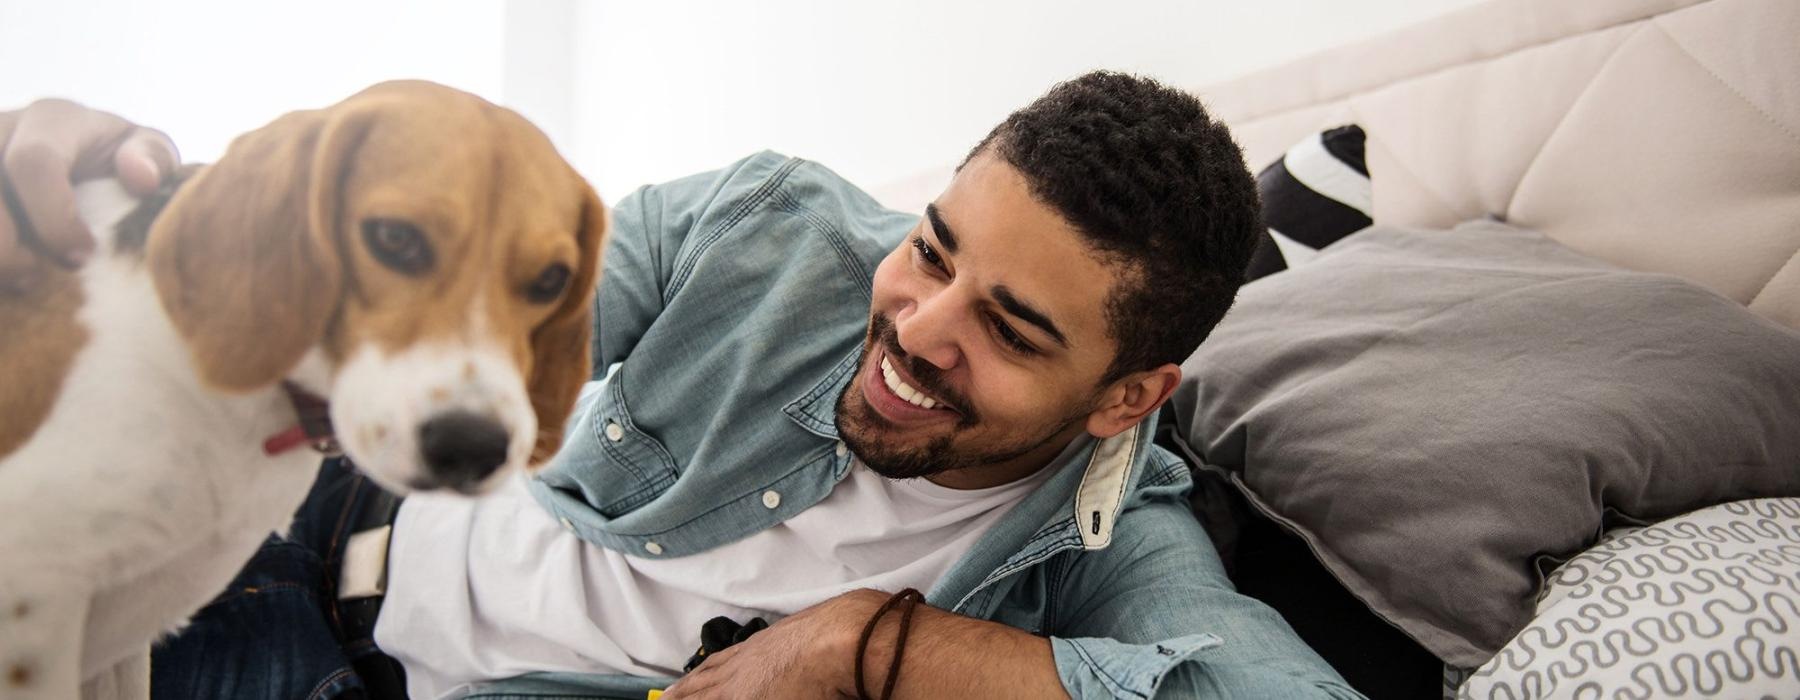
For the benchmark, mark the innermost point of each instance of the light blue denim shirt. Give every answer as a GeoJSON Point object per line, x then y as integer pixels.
{"type": "Point", "coordinates": [731, 314]}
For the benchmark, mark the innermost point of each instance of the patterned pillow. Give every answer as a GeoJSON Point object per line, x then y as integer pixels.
{"type": "Point", "coordinates": [1315, 195]}
{"type": "Point", "coordinates": [1704, 604]}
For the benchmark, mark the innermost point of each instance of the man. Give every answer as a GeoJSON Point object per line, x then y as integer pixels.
{"type": "Point", "coordinates": [809, 402]}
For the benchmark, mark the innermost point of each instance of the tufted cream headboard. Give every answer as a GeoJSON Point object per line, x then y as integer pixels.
{"type": "Point", "coordinates": [1660, 135]}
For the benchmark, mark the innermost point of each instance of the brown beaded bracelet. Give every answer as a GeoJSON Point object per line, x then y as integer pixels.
{"type": "Point", "coordinates": [911, 598]}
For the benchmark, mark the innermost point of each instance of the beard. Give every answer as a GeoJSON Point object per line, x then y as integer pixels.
{"type": "Point", "coordinates": [869, 435]}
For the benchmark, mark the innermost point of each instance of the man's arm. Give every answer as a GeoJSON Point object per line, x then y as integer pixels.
{"type": "Point", "coordinates": [650, 232]}
{"type": "Point", "coordinates": [812, 654]}
{"type": "Point", "coordinates": [1150, 616]}
{"type": "Point", "coordinates": [1155, 610]}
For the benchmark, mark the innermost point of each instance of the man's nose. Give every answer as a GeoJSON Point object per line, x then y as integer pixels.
{"type": "Point", "coordinates": [929, 332]}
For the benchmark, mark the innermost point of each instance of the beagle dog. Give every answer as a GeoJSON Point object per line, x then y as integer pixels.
{"type": "Point", "coordinates": [417, 259]}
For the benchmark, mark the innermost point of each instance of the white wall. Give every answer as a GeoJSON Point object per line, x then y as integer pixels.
{"type": "Point", "coordinates": [206, 70]}
{"type": "Point", "coordinates": [647, 90]}
{"type": "Point", "coordinates": [881, 90]}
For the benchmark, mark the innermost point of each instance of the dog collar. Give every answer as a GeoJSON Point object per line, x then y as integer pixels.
{"type": "Point", "coordinates": [313, 428]}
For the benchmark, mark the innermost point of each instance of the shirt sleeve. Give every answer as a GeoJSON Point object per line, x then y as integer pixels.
{"type": "Point", "coordinates": [650, 230]}
{"type": "Point", "coordinates": [1154, 616]}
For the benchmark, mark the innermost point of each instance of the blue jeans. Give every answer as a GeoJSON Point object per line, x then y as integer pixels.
{"type": "Point", "coordinates": [276, 632]}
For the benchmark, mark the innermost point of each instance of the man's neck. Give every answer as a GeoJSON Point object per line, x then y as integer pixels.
{"type": "Point", "coordinates": [1011, 470]}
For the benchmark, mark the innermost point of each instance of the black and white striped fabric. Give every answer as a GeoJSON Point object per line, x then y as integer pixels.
{"type": "Point", "coordinates": [1315, 195]}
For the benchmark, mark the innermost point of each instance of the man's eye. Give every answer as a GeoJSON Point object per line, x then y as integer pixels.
{"type": "Point", "coordinates": [926, 253]}
{"type": "Point", "coordinates": [1011, 337]}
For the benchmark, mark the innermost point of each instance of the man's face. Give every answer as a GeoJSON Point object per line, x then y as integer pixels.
{"type": "Point", "coordinates": [987, 338]}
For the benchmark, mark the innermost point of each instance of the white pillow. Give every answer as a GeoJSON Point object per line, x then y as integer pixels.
{"type": "Point", "coordinates": [1706, 604]}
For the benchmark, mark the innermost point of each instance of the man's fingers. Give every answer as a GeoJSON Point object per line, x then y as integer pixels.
{"type": "Point", "coordinates": [45, 149]}
{"type": "Point", "coordinates": [698, 682]}
{"type": "Point", "coordinates": [144, 159]}
{"type": "Point", "coordinates": [38, 175]}
{"type": "Point", "coordinates": [689, 688]}
{"type": "Point", "coordinates": [53, 143]}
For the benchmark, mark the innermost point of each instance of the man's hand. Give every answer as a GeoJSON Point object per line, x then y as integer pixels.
{"type": "Point", "coordinates": [813, 653]}
{"type": "Point", "coordinates": [45, 149]}
{"type": "Point", "coordinates": [805, 655]}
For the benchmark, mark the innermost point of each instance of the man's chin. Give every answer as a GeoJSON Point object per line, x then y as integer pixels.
{"type": "Point", "coordinates": [878, 444]}
{"type": "Point", "coordinates": [896, 460]}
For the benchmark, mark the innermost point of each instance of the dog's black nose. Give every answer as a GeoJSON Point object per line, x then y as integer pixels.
{"type": "Point", "coordinates": [462, 448]}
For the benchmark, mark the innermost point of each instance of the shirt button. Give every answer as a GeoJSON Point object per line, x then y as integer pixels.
{"type": "Point", "coordinates": [842, 449]}
{"type": "Point", "coordinates": [566, 524]}
{"type": "Point", "coordinates": [614, 432]}
{"type": "Point", "coordinates": [771, 499]}
{"type": "Point", "coordinates": [653, 548]}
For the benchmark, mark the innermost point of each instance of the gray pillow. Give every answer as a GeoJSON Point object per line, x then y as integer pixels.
{"type": "Point", "coordinates": [1444, 415]}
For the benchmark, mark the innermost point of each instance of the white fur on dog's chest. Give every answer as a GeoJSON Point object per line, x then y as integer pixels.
{"type": "Point", "coordinates": [142, 485]}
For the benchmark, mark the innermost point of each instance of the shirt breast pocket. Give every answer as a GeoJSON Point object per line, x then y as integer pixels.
{"type": "Point", "coordinates": [606, 460]}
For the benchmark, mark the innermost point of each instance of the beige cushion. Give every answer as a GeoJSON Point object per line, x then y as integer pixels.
{"type": "Point", "coordinates": [1661, 136]}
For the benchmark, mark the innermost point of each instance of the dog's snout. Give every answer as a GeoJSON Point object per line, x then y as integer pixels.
{"type": "Point", "coordinates": [462, 448]}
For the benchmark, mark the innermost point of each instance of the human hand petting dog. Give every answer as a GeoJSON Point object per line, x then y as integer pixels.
{"type": "Point", "coordinates": [44, 149]}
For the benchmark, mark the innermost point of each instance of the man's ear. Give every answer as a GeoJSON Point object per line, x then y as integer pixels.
{"type": "Point", "coordinates": [1131, 398]}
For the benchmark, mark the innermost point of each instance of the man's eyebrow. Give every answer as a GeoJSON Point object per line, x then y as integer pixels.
{"type": "Point", "coordinates": [1025, 311]}
{"type": "Point", "coordinates": [946, 239]}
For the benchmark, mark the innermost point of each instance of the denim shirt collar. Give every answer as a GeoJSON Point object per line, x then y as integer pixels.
{"type": "Point", "coordinates": [816, 410]}
{"type": "Point", "coordinates": [1077, 508]}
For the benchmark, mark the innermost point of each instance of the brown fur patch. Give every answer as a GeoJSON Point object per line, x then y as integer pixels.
{"type": "Point", "coordinates": [42, 334]}
{"type": "Point", "coordinates": [38, 345]}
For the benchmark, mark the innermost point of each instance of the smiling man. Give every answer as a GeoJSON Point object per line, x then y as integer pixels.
{"type": "Point", "coordinates": [806, 403]}
{"type": "Point", "coordinates": [987, 386]}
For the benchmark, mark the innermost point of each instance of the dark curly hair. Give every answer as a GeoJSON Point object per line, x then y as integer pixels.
{"type": "Point", "coordinates": [1157, 188]}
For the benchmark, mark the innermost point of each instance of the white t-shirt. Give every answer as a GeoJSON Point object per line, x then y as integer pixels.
{"type": "Point", "coordinates": [491, 588]}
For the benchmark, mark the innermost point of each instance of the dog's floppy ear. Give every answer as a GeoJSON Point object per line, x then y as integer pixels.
{"type": "Point", "coordinates": [245, 257]}
{"type": "Point", "coordinates": [560, 346]}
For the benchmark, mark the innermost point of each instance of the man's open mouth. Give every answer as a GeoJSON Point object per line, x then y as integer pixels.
{"type": "Point", "coordinates": [901, 401]}
{"type": "Point", "coordinates": [905, 391]}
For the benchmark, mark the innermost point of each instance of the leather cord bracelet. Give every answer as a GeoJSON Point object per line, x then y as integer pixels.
{"type": "Point", "coordinates": [904, 601]}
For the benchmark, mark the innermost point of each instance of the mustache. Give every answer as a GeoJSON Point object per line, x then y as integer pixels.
{"type": "Point", "coordinates": [924, 375]}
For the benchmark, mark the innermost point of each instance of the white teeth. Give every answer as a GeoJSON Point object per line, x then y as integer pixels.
{"type": "Point", "coordinates": [902, 389]}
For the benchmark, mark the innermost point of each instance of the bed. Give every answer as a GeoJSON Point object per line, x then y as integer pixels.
{"type": "Point", "coordinates": [1659, 136]}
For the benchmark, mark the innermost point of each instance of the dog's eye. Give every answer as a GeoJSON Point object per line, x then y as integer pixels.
{"type": "Point", "coordinates": [549, 284]}
{"type": "Point", "coordinates": [398, 245]}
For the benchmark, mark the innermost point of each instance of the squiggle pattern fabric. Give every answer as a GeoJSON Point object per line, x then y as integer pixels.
{"type": "Point", "coordinates": [1703, 605]}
